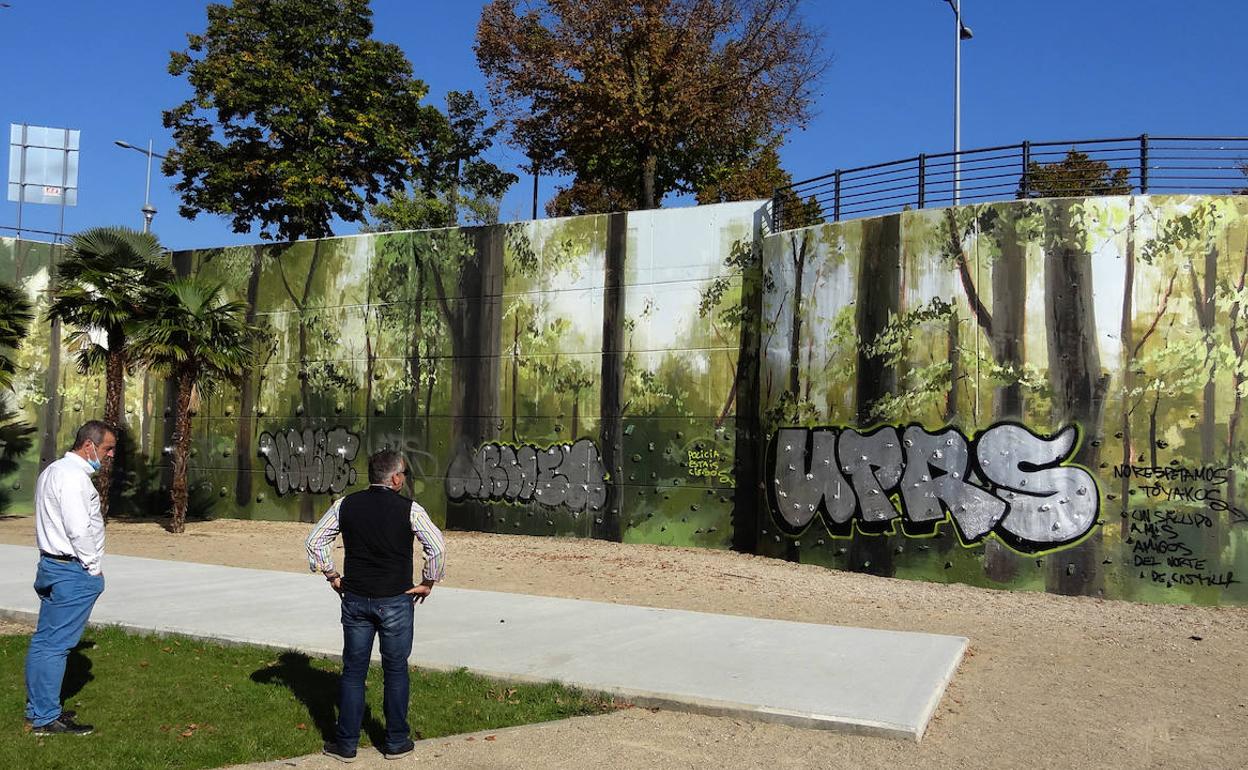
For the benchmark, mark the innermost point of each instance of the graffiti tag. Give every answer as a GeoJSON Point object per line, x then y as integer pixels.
{"type": "Point", "coordinates": [568, 475]}
{"type": "Point", "coordinates": [1008, 481]}
{"type": "Point", "coordinates": [314, 461]}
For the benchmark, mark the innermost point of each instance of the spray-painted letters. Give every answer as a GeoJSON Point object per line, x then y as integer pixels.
{"type": "Point", "coordinates": [1007, 480]}
{"type": "Point", "coordinates": [310, 460]}
{"type": "Point", "coordinates": [571, 475]}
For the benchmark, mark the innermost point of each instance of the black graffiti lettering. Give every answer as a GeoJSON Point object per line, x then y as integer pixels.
{"type": "Point", "coordinates": [1163, 547]}
{"type": "Point", "coordinates": [567, 475]}
{"type": "Point", "coordinates": [316, 461]}
{"type": "Point", "coordinates": [1008, 481]}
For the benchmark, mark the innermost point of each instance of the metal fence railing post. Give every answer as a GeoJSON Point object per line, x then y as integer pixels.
{"type": "Point", "coordinates": [922, 179]}
{"type": "Point", "coordinates": [1024, 186]}
{"type": "Point", "coordinates": [1143, 164]}
{"type": "Point", "coordinates": [836, 198]}
{"type": "Point", "coordinates": [777, 213]}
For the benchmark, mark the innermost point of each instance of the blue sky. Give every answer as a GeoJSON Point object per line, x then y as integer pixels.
{"type": "Point", "coordinates": [1058, 69]}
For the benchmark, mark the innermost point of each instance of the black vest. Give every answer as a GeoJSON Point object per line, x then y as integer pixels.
{"type": "Point", "coordinates": [376, 527]}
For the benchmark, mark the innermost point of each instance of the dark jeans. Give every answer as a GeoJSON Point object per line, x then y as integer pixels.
{"type": "Point", "coordinates": [390, 619]}
{"type": "Point", "coordinates": [67, 592]}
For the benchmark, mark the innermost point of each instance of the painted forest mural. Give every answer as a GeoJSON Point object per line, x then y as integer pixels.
{"type": "Point", "coordinates": [922, 369]}
{"type": "Point", "coordinates": [1033, 395]}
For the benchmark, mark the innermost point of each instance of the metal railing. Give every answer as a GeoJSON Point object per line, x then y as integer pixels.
{"type": "Point", "coordinates": [1140, 164]}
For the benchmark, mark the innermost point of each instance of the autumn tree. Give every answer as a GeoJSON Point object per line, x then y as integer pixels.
{"type": "Point", "coordinates": [641, 99]}
{"type": "Point", "coordinates": [297, 116]}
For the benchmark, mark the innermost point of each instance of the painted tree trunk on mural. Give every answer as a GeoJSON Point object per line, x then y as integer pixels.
{"type": "Point", "coordinates": [1238, 347]}
{"type": "Point", "coordinates": [878, 301]}
{"type": "Point", "coordinates": [606, 522]}
{"type": "Point", "coordinates": [50, 414]}
{"type": "Point", "coordinates": [1009, 313]}
{"type": "Point", "coordinates": [1126, 337]}
{"type": "Point", "coordinates": [476, 327]}
{"type": "Point", "coordinates": [178, 493]}
{"type": "Point", "coordinates": [414, 362]}
{"type": "Point", "coordinates": [798, 245]}
{"type": "Point", "coordinates": [748, 499]}
{"type": "Point", "coordinates": [1074, 372]}
{"type": "Point", "coordinates": [247, 396]}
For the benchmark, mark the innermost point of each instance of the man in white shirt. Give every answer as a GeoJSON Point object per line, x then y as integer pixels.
{"type": "Point", "coordinates": [70, 533]}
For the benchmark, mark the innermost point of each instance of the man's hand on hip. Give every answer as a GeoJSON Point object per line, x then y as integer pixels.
{"type": "Point", "coordinates": [420, 592]}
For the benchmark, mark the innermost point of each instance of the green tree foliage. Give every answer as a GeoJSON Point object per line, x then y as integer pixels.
{"type": "Point", "coordinates": [15, 435]}
{"type": "Point", "coordinates": [455, 185]}
{"type": "Point", "coordinates": [640, 99]}
{"type": "Point", "coordinates": [198, 340]}
{"type": "Point", "coordinates": [103, 288]}
{"type": "Point", "coordinates": [1074, 176]}
{"type": "Point", "coordinates": [298, 116]}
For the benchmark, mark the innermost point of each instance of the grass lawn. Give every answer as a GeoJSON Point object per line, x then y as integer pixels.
{"type": "Point", "coordinates": [177, 702]}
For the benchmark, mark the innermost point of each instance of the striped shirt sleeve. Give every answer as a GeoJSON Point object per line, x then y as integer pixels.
{"type": "Point", "coordinates": [431, 543]}
{"type": "Point", "coordinates": [320, 543]}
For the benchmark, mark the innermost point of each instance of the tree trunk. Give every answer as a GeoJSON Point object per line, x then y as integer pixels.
{"type": "Point", "coordinates": [649, 168]}
{"type": "Point", "coordinates": [747, 497]}
{"type": "Point", "coordinates": [418, 333]}
{"type": "Point", "coordinates": [114, 396]}
{"type": "Point", "coordinates": [145, 420]}
{"type": "Point", "coordinates": [1126, 337]}
{"type": "Point", "coordinates": [954, 360]}
{"type": "Point", "coordinates": [878, 300]}
{"type": "Point", "coordinates": [795, 331]}
{"type": "Point", "coordinates": [178, 491]}
{"type": "Point", "coordinates": [476, 339]}
{"type": "Point", "coordinates": [307, 510]}
{"type": "Point", "coordinates": [51, 421]}
{"type": "Point", "coordinates": [515, 374]}
{"type": "Point", "coordinates": [1009, 306]}
{"type": "Point", "coordinates": [1009, 313]}
{"type": "Point", "coordinates": [1208, 319]}
{"type": "Point", "coordinates": [606, 523]}
{"type": "Point", "coordinates": [576, 415]}
{"type": "Point", "coordinates": [1075, 373]}
{"type": "Point", "coordinates": [247, 396]}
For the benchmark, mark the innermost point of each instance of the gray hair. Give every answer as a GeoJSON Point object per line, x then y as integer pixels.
{"type": "Point", "coordinates": [93, 431]}
{"type": "Point", "coordinates": [384, 464]}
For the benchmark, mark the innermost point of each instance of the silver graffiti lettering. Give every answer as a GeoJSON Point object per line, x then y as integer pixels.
{"type": "Point", "coordinates": [936, 481]}
{"type": "Point", "coordinates": [1049, 502]}
{"type": "Point", "coordinates": [567, 475]}
{"type": "Point", "coordinates": [316, 461]}
{"type": "Point", "coordinates": [1008, 481]}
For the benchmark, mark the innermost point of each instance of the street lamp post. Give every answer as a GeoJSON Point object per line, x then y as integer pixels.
{"type": "Point", "coordinates": [149, 211]}
{"type": "Point", "coordinates": [960, 32]}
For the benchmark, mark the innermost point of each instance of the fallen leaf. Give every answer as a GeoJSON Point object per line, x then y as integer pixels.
{"type": "Point", "coordinates": [490, 737]}
{"type": "Point", "coordinates": [470, 738]}
{"type": "Point", "coordinates": [301, 726]}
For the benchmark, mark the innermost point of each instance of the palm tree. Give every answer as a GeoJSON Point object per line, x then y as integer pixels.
{"type": "Point", "coordinates": [104, 287]}
{"type": "Point", "coordinates": [15, 435]}
{"type": "Point", "coordinates": [197, 339]}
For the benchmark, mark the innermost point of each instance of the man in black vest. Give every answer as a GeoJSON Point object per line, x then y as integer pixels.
{"type": "Point", "coordinates": [378, 595]}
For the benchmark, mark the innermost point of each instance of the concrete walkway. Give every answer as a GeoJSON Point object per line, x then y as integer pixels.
{"type": "Point", "coordinates": [864, 681]}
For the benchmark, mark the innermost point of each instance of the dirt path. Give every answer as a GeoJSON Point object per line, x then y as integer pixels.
{"type": "Point", "coordinates": [1049, 681]}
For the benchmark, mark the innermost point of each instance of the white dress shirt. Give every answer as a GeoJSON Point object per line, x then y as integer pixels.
{"type": "Point", "coordinates": [67, 512]}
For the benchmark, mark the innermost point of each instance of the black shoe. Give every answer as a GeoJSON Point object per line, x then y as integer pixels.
{"type": "Point", "coordinates": [400, 752]}
{"type": "Point", "coordinates": [63, 725]}
{"type": "Point", "coordinates": [66, 714]}
{"type": "Point", "coordinates": [334, 750]}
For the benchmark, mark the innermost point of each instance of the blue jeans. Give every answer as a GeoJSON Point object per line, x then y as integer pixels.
{"type": "Point", "coordinates": [67, 592]}
{"type": "Point", "coordinates": [391, 620]}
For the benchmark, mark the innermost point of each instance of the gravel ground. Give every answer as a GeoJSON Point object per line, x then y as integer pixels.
{"type": "Point", "coordinates": [1049, 681]}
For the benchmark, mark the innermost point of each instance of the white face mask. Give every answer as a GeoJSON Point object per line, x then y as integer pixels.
{"type": "Point", "coordinates": [95, 464]}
